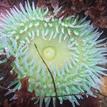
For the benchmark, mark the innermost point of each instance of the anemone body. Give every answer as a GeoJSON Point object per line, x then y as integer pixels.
{"type": "Point", "coordinates": [60, 57]}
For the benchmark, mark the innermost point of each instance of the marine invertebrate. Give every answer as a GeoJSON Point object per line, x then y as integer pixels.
{"type": "Point", "coordinates": [60, 57]}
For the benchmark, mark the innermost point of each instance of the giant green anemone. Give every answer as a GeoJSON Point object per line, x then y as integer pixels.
{"type": "Point", "coordinates": [60, 57]}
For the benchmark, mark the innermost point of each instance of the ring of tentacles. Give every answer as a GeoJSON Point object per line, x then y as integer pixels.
{"type": "Point", "coordinates": [60, 57]}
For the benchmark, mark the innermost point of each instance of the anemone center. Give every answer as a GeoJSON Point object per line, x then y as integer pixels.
{"type": "Point", "coordinates": [49, 53]}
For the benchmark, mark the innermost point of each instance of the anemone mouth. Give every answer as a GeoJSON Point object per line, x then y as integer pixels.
{"type": "Point", "coordinates": [60, 57]}
{"type": "Point", "coordinates": [49, 53]}
{"type": "Point", "coordinates": [52, 51]}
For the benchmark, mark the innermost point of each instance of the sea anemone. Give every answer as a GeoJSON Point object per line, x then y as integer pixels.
{"type": "Point", "coordinates": [61, 58]}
